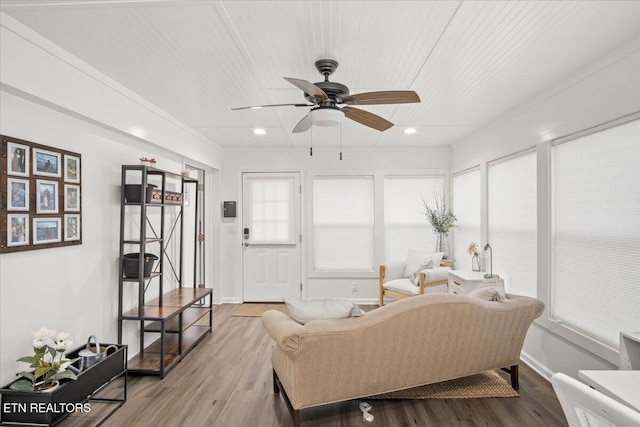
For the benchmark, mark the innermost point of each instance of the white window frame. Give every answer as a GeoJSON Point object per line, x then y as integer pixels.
{"type": "Point", "coordinates": [428, 227]}
{"type": "Point", "coordinates": [465, 263]}
{"type": "Point", "coordinates": [489, 164]}
{"type": "Point", "coordinates": [564, 331]}
{"type": "Point", "coordinates": [379, 238]}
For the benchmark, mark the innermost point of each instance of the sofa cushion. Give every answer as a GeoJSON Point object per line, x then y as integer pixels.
{"type": "Point", "coordinates": [415, 259]}
{"type": "Point", "coordinates": [415, 276]}
{"type": "Point", "coordinates": [490, 290]}
{"type": "Point", "coordinates": [317, 309]}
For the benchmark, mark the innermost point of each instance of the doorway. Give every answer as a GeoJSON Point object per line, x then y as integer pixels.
{"type": "Point", "coordinates": [271, 249]}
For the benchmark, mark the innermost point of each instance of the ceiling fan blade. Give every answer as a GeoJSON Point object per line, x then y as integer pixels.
{"type": "Point", "coordinates": [382, 97]}
{"type": "Point", "coordinates": [256, 107]}
{"type": "Point", "coordinates": [303, 125]}
{"type": "Point", "coordinates": [366, 118]}
{"type": "Point", "coordinates": [308, 88]}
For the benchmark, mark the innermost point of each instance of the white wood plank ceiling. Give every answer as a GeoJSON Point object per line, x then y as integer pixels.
{"type": "Point", "coordinates": [471, 62]}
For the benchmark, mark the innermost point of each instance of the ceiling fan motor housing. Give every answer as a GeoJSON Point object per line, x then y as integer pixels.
{"type": "Point", "coordinates": [334, 90]}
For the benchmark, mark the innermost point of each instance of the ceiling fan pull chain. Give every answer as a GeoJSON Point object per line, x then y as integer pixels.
{"type": "Point", "coordinates": [340, 140]}
{"type": "Point", "coordinates": [311, 143]}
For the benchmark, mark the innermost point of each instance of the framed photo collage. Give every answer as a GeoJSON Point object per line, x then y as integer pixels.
{"type": "Point", "coordinates": [40, 196]}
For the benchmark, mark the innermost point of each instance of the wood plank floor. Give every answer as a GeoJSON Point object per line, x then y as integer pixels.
{"type": "Point", "coordinates": [226, 381]}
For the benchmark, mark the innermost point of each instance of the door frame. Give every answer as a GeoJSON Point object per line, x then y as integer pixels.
{"type": "Point", "coordinates": [303, 225]}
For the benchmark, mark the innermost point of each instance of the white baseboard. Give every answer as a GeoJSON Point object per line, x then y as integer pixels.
{"type": "Point", "coordinates": [231, 301]}
{"type": "Point", "coordinates": [536, 366]}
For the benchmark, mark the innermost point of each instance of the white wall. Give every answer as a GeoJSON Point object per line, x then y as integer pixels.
{"type": "Point", "coordinates": [50, 98]}
{"type": "Point", "coordinates": [323, 160]}
{"type": "Point", "coordinates": [598, 93]}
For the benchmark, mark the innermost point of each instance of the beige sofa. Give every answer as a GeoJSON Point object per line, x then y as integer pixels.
{"type": "Point", "coordinates": [414, 341]}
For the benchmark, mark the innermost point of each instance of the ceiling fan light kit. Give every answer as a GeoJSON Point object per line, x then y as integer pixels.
{"type": "Point", "coordinates": [325, 96]}
{"type": "Point", "coordinates": [326, 116]}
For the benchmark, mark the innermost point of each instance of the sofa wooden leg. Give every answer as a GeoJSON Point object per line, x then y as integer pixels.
{"type": "Point", "coordinates": [515, 382]}
{"type": "Point", "coordinates": [276, 389]}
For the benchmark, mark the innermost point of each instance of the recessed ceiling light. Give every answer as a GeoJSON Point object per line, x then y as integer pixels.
{"type": "Point", "coordinates": [410, 131]}
{"type": "Point", "coordinates": [138, 131]}
{"type": "Point", "coordinates": [259, 131]}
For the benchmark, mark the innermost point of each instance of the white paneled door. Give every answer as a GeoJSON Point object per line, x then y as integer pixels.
{"type": "Point", "coordinates": [271, 236]}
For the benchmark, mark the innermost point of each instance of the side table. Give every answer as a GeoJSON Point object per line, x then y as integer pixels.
{"type": "Point", "coordinates": [462, 281]}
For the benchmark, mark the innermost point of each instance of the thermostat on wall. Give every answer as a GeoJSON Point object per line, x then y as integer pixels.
{"type": "Point", "coordinates": [229, 209]}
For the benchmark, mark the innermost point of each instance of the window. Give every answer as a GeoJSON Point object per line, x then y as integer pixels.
{"type": "Point", "coordinates": [272, 210]}
{"type": "Point", "coordinates": [405, 225]}
{"type": "Point", "coordinates": [595, 284]}
{"type": "Point", "coordinates": [466, 208]}
{"type": "Point", "coordinates": [512, 221]}
{"type": "Point", "coordinates": [343, 224]}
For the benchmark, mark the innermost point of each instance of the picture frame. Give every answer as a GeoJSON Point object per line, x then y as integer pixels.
{"type": "Point", "coordinates": [17, 194]}
{"type": "Point", "coordinates": [46, 163]}
{"type": "Point", "coordinates": [17, 230]}
{"type": "Point", "coordinates": [46, 230]}
{"type": "Point", "coordinates": [46, 197]}
{"type": "Point", "coordinates": [42, 186]}
{"type": "Point", "coordinates": [71, 227]}
{"type": "Point", "coordinates": [71, 169]}
{"type": "Point", "coordinates": [71, 198]}
{"type": "Point", "coordinates": [17, 159]}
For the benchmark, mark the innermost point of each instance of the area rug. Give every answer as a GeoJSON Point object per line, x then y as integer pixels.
{"type": "Point", "coordinates": [485, 384]}
{"type": "Point", "coordinates": [257, 309]}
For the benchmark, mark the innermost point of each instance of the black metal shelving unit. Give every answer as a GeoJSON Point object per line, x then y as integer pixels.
{"type": "Point", "coordinates": [177, 320]}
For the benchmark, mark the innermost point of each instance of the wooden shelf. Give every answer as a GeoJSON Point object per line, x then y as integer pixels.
{"type": "Point", "coordinates": [181, 297]}
{"type": "Point", "coordinates": [189, 317]}
{"type": "Point", "coordinates": [149, 363]}
{"type": "Point", "coordinates": [180, 318]}
{"type": "Point", "coordinates": [152, 312]}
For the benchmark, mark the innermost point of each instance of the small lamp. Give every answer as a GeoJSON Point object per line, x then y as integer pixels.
{"type": "Point", "coordinates": [487, 247]}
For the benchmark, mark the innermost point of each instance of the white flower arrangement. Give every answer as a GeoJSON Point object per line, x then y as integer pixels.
{"type": "Point", "coordinates": [48, 364]}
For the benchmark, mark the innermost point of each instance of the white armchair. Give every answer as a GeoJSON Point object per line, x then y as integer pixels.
{"type": "Point", "coordinates": [394, 284]}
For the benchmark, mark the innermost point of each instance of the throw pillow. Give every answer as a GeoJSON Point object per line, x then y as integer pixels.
{"type": "Point", "coordinates": [415, 276]}
{"type": "Point", "coordinates": [316, 309]}
{"type": "Point", "coordinates": [415, 259]}
{"type": "Point", "coordinates": [490, 290]}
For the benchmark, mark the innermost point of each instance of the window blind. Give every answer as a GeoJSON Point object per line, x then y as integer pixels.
{"type": "Point", "coordinates": [405, 224]}
{"type": "Point", "coordinates": [512, 221]}
{"type": "Point", "coordinates": [466, 208]}
{"type": "Point", "coordinates": [595, 285]}
{"type": "Point", "coordinates": [343, 223]}
{"type": "Point", "coordinates": [271, 210]}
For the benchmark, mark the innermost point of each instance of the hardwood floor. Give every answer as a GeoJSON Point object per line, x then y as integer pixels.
{"type": "Point", "coordinates": [226, 381]}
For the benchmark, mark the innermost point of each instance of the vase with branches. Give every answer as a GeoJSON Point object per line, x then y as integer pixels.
{"type": "Point", "coordinates": [441, 219]}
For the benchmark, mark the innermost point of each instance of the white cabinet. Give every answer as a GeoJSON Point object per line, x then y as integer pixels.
{"type": "Point", "coordinates": [462, 281]}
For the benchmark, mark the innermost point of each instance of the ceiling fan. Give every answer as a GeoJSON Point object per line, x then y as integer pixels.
{"type": "Point", "coordinates": [325, 97]}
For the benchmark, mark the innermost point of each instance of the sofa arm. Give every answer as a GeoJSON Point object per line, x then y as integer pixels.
{"type": "Point", "coordinates": [285, 331]}
{"type": "Point", "coordinates": [392, 270]}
